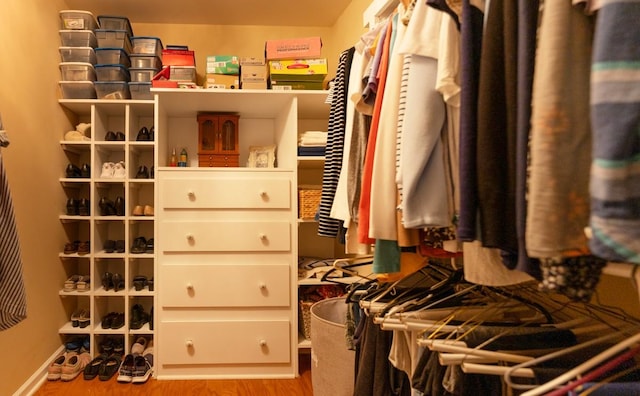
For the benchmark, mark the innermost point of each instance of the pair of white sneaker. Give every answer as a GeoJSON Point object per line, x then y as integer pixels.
{"type": "Point", "coordinates": [111, 170]}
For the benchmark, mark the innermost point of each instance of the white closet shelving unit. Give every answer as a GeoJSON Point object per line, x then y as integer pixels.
{"type": "Point", "coordinates": [228, 238]}
{"type": "Point", "coordinates": [128, 117]}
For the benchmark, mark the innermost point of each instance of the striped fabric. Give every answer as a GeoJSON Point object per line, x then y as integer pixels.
{"type": "Point", "coordinates": [13, 304]}
{"type": "Point", "coordinates": [615, 114]}
{"type": "Point", "coordinates": [328, 226]}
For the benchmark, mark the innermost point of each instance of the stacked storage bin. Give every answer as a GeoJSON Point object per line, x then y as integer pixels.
{"type": "Point", "coordinates": [146, 62]}
{"type": "Point", "coordinates": [114, 47]}
{"type": "Point", "coordinates": [78, 40]}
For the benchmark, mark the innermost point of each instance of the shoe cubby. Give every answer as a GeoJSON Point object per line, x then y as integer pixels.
{"type": "Point", "coordinates": [107, 173]}
{"type": "Point", "coordinates": [110, 315]}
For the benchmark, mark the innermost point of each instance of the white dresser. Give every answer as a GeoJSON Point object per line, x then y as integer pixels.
{"type": "Point", "coordinates": [226, 262]}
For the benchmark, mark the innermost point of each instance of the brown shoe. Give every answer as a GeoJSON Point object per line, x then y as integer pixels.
{"type": "Point", "coordinates": [84, 247]}
{"type": "Point", "coordinates": [138, 210]}
{"type": "Point", "coordinates": [148, 210]}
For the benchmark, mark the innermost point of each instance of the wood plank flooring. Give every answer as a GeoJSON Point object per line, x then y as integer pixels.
{"type": "Point", "coordinates": [300, 386]}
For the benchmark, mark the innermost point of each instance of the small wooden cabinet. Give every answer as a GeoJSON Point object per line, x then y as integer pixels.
{"type": "Point", "coordinates": [218, 140]}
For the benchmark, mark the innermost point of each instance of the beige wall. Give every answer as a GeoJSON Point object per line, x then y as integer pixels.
{"type": "Point", "coordinates": [34, 160]}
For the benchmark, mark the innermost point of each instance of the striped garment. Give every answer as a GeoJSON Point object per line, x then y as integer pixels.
{"type": "Point", "coordinates": [13, 304]}
{"type": "Point", "coordinates": [615, 115]}
{"type": "Point", "coordinates": [328, 226]}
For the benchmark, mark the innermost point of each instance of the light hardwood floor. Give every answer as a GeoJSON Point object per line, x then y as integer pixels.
{"type": "Point", "coordinates": [300, 386]}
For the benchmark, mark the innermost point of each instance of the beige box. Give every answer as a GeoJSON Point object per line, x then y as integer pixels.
{"type": "Point", "coordinates": [254, 85]}
{"type": "Point", "coordinates": [254, 73]}
{"type": "Point", "coordinates": [223, 81]}
{"type": "Point", "coordinates": [253, 61]}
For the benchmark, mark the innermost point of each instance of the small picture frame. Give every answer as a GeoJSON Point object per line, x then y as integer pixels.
{"type": "Point", "coordinates": [262, 156]}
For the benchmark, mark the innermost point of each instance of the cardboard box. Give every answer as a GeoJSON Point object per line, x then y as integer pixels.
{"type": "Point", "coordinates": [223, 64]}
{"type": "Point", "coordinates": [251, 73]}
{"type": "Point", "coordinates": [251, 61]}
{"type": "Point", "coordinates": [297, 85]}
{"type": "Point", "coordinates": [254, 85]}
{"type": "Point", "coordinates": [298, 70]}
{"type": "Point", "coordinates": [172, 57]}
{"type": "Point", "coordinates": [223, 81]}
{"type": "Point", "coordinates": [297, 48]}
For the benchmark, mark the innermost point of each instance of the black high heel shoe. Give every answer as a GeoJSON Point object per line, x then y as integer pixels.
{"type": "Point", "coordinates": [143, 135]}
{"type": "Point", "coordinates": [118, 282]}
{"type": "Point", "coordinates": [119, 205]}
{"type": "Point", "coordinates": [107, 281]}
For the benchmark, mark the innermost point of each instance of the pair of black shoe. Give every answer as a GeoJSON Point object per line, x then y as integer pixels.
{"type": "Point", "coordinates": [103, 366]}
{"type": "Point", "coordinates": [145, 135]}
{"type": "Point", "coordinates": [111, 208]}
{"type": "Point", "coordinates": [111, 136]}
{"type": "Point", "coordinates": [74, 172]}
{"type": "Point", "coordinates": [112, 281]}
{"type": "Point", "coordinates": [78, 207]}
{"type": "Point", "coordinates": [143, 172]}
{"type": "Point", "coordinates": [114, 246]}
{"type": "Point", "coordinates": [113, 320]}
{"type": "Point", "coordinates": [112, 345]}
{"type": "Point", "coordinates": [142, 245]}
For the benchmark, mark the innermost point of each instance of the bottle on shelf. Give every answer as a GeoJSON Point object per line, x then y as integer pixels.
{"type": "Point", "coordinates": [183, 158]}
{"type": "Point", "coordinates": [173, 159]}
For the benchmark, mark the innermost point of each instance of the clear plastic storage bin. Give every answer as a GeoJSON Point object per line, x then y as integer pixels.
{"type": "Point", "coordinates": [77, 71]}
{"type": "Point", "coordinates": [78, 90]}
{"type": "Point", "coordinates": [145, 61]}
{"type": "Point", "coordinates": [77, 20]}
{"type": "Point", "coordinates": [78, 38]}
{"type": "Point", "coordinates": [78, 54]}
{"type": "Point", "coordinates": [182, 73]}
{"type": "Point", "coordinates": [111, 22]}
{"type": "Point", "coordinates": [112, 90]}
{"type": "Point", "coordinates": [142, 74]}
{"type": "Point", "coordinates": [147, 45]}
{"type": "Point", "coordinates": [112, 73]}
{"type": "Point", "coordinates": [114, 39]}
{"type": "Point", "coordinates": [140, 90]}
{"type": "Point", "coordinates": [112, 56]}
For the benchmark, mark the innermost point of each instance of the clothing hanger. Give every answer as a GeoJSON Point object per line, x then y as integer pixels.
{"type": "Point", "coordinates": [344, 266]}
{"type": "Point", "coordinates": [580, 369]}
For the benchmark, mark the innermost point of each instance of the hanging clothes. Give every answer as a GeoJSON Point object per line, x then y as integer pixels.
{"type": "Point", "coordinates": [496, 134]}
{"type": "Point", "coordinates": [365, 196]}
{"type": "Point", "coordinates": [471, 48]}
{"type": "Point", "coordinates": [13, 302]}
{"type": "Point", "coordinates": [615, 106]}
{"type": "Point", "coordinates": [558, 198]}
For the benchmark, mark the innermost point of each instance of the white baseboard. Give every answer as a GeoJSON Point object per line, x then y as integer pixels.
{"type": "Point", "coordinates": [39, 377]}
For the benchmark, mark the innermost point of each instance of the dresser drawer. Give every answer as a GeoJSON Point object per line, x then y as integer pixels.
{"type": "Point", "coordinates": [225, 285]}
{"type": "Point", "coordinates": [225, 342]}
{"type": "Point", "coordinates": [222, 192]}
{"type": "Point", "coordinates": [224, 236]}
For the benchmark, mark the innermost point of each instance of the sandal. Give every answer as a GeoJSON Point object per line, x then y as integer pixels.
{"type": "Point", "coordinates": [83, 284]}
{"type": "Point", "coordinates": [70, 284]}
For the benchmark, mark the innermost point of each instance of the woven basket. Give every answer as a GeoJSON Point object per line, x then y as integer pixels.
{"type": "Point", "coordinates": [304, 321]}
{"type": "Point", "coordinates": [308, 202]}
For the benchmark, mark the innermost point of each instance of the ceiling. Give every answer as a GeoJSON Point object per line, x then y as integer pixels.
{"type": "Point", "coordinates": [218, 12]}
